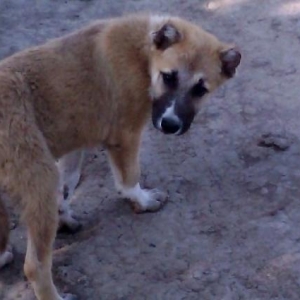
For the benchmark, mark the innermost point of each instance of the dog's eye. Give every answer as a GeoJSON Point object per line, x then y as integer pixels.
{"type": "Point", "coordinates": [170, 79]}
{"type": "Point", "coordinates": [199, 90]}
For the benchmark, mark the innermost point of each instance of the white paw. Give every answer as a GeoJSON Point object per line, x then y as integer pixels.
{"type": "Point", "coordinates": [153, 201]}
{"type": "Point", "coordinates": [6, 257]}
{"type": "Point", "coordinates": [145, 200]}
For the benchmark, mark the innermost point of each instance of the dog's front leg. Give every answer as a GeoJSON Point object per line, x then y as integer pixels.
{"type": "Point", "coordinates": [124, 161]}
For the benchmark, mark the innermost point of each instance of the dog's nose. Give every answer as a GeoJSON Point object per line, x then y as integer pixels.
{"type": "Point", "coordinates": [170, 125]}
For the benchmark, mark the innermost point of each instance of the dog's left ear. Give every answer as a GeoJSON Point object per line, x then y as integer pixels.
{"type": "Point", "coordinates": [166, 36]}
{"type": "Point", "coordinates": [230, 59]}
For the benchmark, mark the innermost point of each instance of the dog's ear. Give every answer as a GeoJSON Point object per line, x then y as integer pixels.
{"type": "Point", "coordinates": [230, 59]}
{"type": "Point", "coordinates": [166, 36]}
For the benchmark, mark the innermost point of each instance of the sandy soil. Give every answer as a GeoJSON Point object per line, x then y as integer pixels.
{"type": "Point", "coordinates": [231, 229]}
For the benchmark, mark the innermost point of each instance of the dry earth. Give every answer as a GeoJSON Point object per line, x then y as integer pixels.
{"type": "Point", "coordinates": [231, 229]}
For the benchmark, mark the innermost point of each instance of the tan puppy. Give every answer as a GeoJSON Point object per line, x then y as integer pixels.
{"type": "Point", "coordinates": [97, 85]}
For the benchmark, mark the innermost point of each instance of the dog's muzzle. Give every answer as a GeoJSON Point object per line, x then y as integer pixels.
{"type": "Point", "coordinates": [171, 125]}
{"type": "Point", "coordinates": [164, 117]}
{"type": "Point", "coordinates": [171, 116]}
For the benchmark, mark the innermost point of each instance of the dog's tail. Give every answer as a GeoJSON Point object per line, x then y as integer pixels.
{"type": "Point", "coordinates": [4, 226]}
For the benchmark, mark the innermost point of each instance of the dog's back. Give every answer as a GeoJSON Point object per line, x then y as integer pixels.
{"type": "Point", "coordinates": [74, 81]}
{"type": "Point", "coordinates": [64, 89]}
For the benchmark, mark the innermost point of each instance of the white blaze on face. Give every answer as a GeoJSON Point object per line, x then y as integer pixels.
{"type": "Point", "coordinates": [169, 114]}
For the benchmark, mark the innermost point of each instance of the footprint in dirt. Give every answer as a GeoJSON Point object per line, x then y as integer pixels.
{"type": "Point", "coordinates": [261, 148]}
{"type": "Point", "coordinates": [277, 142]}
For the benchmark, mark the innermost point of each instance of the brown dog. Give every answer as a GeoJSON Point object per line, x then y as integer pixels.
{"type": "Point", "coordinates": [97, 85]}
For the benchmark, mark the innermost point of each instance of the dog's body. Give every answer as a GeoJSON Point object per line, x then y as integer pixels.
{"type": "Point", "coordinates": [97, 85]}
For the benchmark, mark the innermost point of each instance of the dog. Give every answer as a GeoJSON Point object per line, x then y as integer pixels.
{"type": "Point", "coordinates": [98, 85]}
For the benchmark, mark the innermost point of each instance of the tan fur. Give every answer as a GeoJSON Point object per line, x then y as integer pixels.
{"type": "Point", "coordinates": [86, 88]}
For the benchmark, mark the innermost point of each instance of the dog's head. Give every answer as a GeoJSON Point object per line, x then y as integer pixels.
{"type": "Point", "coordinates": [187, 63]}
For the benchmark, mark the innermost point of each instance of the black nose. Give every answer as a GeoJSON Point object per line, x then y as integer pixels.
{"type": "Point", "coordinates": [170, 125]}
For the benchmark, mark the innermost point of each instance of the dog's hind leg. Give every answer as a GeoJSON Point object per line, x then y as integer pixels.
{"type": "Point", "coordinates": [124, 161]}
{"type": "Point", "coordinates": [34, 177]}
{"type": "Point", "coordinates": [39, 183]}
{"type": "Point", "coordinates": [6, 255]}
{"type": "Point", "coordinates": [28, 172]}
{"type": "Point", "coordinates": [70, 171]}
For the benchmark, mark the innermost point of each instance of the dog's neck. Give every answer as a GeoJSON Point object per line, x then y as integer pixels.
{"type": "Point", "coordinates": [131, 66]}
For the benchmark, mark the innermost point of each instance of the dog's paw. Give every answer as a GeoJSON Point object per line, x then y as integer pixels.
{"type": "Point", "coordinates": [6, 257]}
{"type": "Point", "coordinates": [152, 201]}
{"type": "Point", "coordinates": [68, 224]}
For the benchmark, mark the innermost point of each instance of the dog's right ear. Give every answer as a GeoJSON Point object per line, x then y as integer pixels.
{"type": "Point", "coordinates": [166, 36]}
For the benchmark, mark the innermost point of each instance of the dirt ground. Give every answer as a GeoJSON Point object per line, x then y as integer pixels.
{"type": "Point", "coordinates": [231, 228]}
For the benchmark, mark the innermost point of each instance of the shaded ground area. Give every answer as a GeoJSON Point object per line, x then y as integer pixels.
{"type": "Point", "coordinates": [231, 229]}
